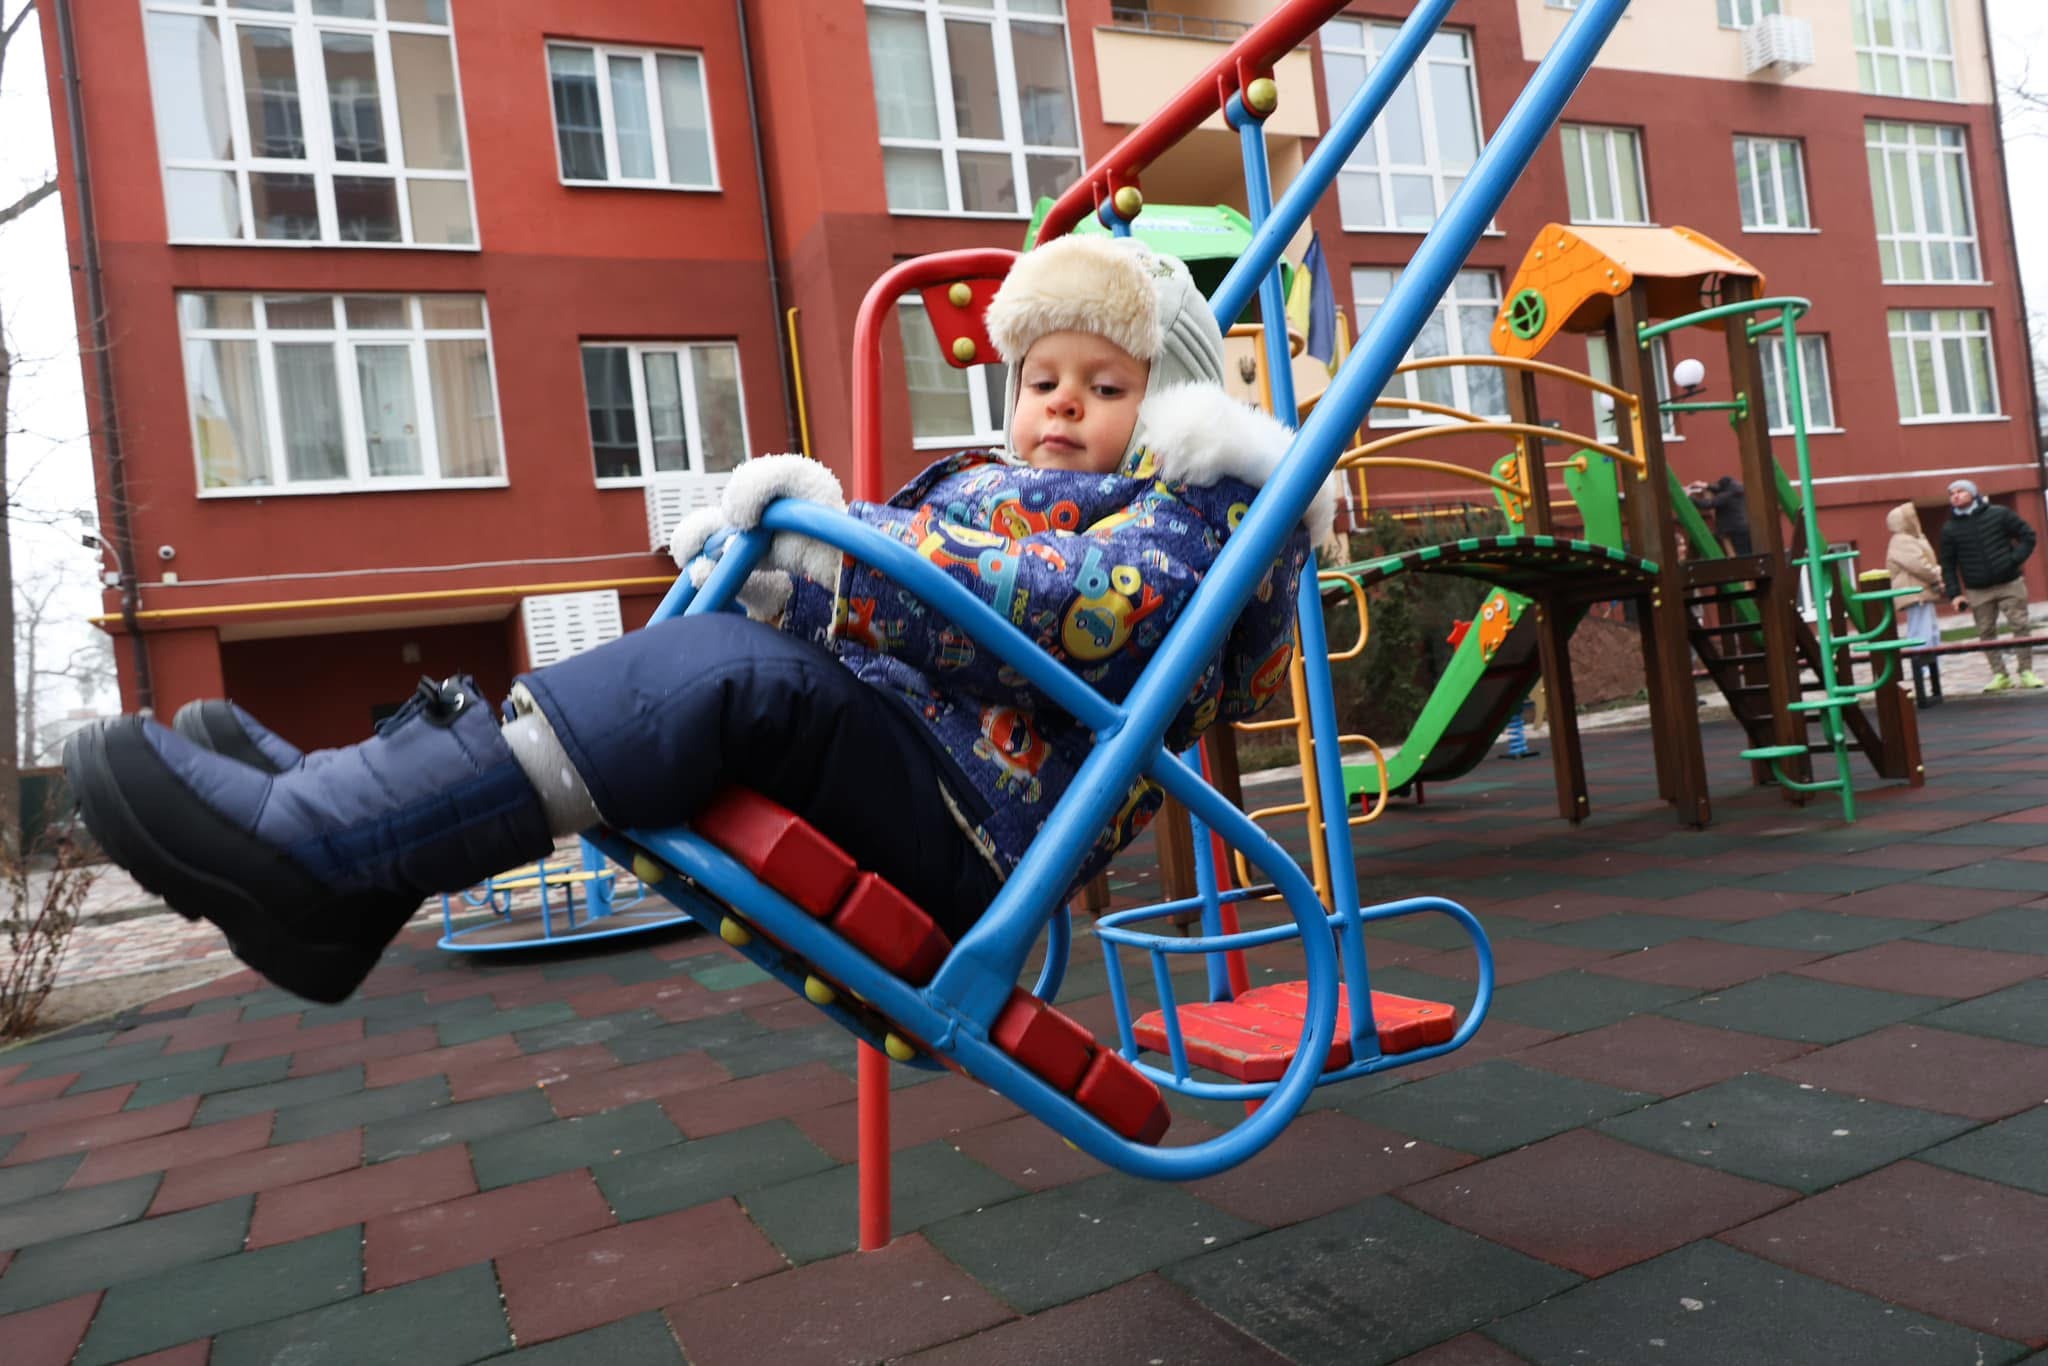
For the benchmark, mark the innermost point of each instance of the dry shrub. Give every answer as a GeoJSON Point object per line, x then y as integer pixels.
{"type": "Point", "coordinates": [43, 886]}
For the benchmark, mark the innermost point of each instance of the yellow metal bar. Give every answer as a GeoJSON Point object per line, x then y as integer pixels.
{"type": "Point", "coordinates": [1364, 612]}
{"type": "Point", "coordinates": [1518, 429]}
{"type": "Point", "coordinates": [796, 365]}
{"type": "Point", "coordinates": [516, 590]}
{"type": "Point", "coordinates": [1536, 367]}
{"type": "Point", "coordinates": [1406, 462]}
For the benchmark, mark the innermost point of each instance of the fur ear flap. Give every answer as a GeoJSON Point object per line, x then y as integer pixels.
{"type": "Point", "coordinates": [1198, 434]}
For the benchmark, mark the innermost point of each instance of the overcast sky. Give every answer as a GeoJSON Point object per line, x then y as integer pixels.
{"type": "Point", "coordinates": [50, 468]}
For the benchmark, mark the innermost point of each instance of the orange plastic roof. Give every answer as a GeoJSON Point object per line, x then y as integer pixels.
{"type": "Point", "coordinates": [1580, 270]}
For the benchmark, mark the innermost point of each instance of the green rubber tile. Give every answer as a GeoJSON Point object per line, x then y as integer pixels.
{"type": "Point", "coordinates": [64, 1213]}
{"type": "Point", "coordinates": [1627, 932]}
{"type": "Point", "coordinates": [1817, 931]}
{"type": "Point", "coordinates": [83, 1060]}
{"type": "Point", "coordinates": [49, 1050]}
{"type": "Point", "coordinates": [780, 1048]}
{"type": "Point", "coordinates": [1708, 1305]}
{"type": "Point", "coordinates": [1662, 885]}
{"type": "Point", "coordinates": [1836, 878]}
{"type": "Point", "coordinates": [91, 1261]}
{"type": "Point", "coordinates": [318, 1118]}
{"type": "Point", "coordinates": [1788, 1006]}
{"type": "Point", "coordinates": [1442, 932]}
{"type": "Point", "coordinates": [1371, 1283]}
{"type": "Point", "coordinates": [1999, 874]}
{"type": "Point", "coordinates": [149, 1066]}
{"type": "Point", "coordinates": [729, 976]}
{"type": "Point", "coordinates": [1571, 1002]}
{"type": "Point", "coordinates": [441, 1321]}
{"type": "Point", "coordinates": [689, 1037]}
{"type": "Point", "coordinates": [543, 1150]}
{"type": "Point", "coordinates": [1688, 845]}
{"type": "Point", "coordinates": [419, 1013]}
{"type": "Point", "coordinates": [2016, 929]}
{"type": "Point", "coordinates": [236, 1076]}
{"type": "Point", "coordinates": [2010, 1151]}
{"type": "Point", "coordinates": [1061, 1244]}
{"type": "Point", "coordinates": [643, 1340]}
{"type": "Point", "coordinates": [575, 1032]}
{"type": "Point", "coordinates": [2017, 835]}
{"type": "Point", "coordinates": [609, 964]}
{"type": "Point", "coordinates": [818, 1216]}
{"type": "Point", "coordinates": [32, 1179]}
{"type": "Point", "coordinates": [661, 1180]}
{"type": "Point", "coordinates": [482, 1026]}
{"type": "Point", "coordinates": [280, 1095]}
{"type": "Point", "coordinates": [463, 1122]}
{"type": "Point", "coordinates": [1777, 1131]}
{"type": "Point", "coordinates": [216, 1297]}
{"type": "Point", "coordinates": [2018, 1013]}
{"type": "Point", "coordinates": [1491, 1107]}
{"type": "Point", "coordinates": [1423, 986]}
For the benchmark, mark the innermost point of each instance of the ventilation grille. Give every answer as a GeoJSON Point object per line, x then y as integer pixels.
{"type": "Point", "coordinates": [671, 496]}
{"type": "Point", "coordinates": [559, 625]}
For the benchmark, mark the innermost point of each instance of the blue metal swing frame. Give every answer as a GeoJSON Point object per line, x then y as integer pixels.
{"type": "Point", "coordinates": [952, 1015]}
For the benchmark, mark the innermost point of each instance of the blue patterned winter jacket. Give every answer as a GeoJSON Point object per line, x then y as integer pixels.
{"type": "Point", "coordinates": [1094, 568]}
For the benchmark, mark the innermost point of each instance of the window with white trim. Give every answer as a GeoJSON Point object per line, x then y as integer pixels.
{"type": "Point", "coordinates": [1814, 384]}
{"type": "Point", "coordinates": [663, 408]}
{"type": "Point", "coordinates": [976, 104]}
{"type": "Point", "coordinates": [1415, 155]}
{"type": "Point", "coordinates": [1743, 13]}
{"type": "Point", "coordinates": [1920, 188]}
{"type": "Point", "coordinates": [1904, 47]}
{"type": "Point", "coordinates": [331, 393]}
{"type": "Point", "coordinates": [310, 121]}
{"type": "Point", "coordinates": [631, 116]}
{"type": "Point", "coordinates": [949, 407]}
{"type": "Point", "coordinates": [1770, 183]}
{"type": "Point", "coordinates": [1459, 327]}
{"type": "Point", "coordinates": [1941, 363]}
{"type": "Point", "coordinates": [1601, 367]}
{"type": "Point", "coordinates": [1603, 173]}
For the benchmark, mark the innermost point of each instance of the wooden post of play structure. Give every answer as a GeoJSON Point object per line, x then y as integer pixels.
{"type": "Point", "coordinates": [1553, 643]}
{"type": "Point", "coordinates": [1777, 606]}
{"type": "Point", "coordinates": [1667, 645]}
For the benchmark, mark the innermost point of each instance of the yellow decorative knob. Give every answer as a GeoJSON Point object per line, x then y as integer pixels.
{"type": "Point", "coordinates": [1128, 201]}
{"type": "Point", "coordinates": [899, 1048]}
{"type": "Point", "coordinates": [960, 296]}
{"type": "Point", "coordinates": [963, 349]}
{"type": "Point", "coordinates": [819, 992]}
{"type": "Point", "coordinates": [647, 870]}
{"type": "Point", "coordinates": [1262, 96]}
{"type": "Point", "coordinates": [734, 933]}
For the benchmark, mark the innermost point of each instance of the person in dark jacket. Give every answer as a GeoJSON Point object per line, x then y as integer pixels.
{"type": "Point", "coordinates": [846, 699]}
{"type": "Point", "coordinates": [1982, 549]}
{"type": "Point", "coordinates": [1724, 499]}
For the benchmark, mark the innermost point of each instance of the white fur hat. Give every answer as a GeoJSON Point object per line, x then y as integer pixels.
{"type": "Point", "coordinates": [1119, 289]}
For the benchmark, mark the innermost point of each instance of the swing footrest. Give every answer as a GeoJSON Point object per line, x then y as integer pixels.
{"type": "Point", "coordinates": [1255, 1037]}
{"type": "Point", "coordinates": [1062, 1053]}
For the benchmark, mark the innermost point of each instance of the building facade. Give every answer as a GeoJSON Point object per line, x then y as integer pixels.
{"type": "Point", "coordinates": [409, 303]}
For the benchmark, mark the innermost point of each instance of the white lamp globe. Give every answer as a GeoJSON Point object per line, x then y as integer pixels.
{"type": "Point", "coordinates": [1689, 373]}
{"type": "Point", "coordinates": [1604, 402]}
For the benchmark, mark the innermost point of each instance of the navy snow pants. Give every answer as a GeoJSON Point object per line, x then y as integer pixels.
{"type": "Point", "coordinates": [660, 721]}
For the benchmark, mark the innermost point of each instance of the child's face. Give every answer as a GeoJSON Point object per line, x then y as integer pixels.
{"type": "Point", "coordinates": [1077, 403]}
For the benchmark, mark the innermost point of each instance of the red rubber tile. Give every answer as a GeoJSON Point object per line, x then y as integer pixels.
{"type": "Point", "coordinates": [1560, 908]}
{"type": "Point", "coordinates": [353, 1197]}
{"type": "Point", "coordinates": [614, 1273]}
{"type": "Point", "coordinates": [1927, 969]}
{"type": "Point", "coordinates": [703, 1004]}
{"type": "Point", "coordinates": [294, 1041]}
{"type": "Point", "coordinates": [48, 1335]}
{"type": "Point", "coordinates": [11, 1071]}
{"type": "Point", "coordinates": [1592, 1204]}
{"type": "Point", "coordinates": [1705, 964]}
{"type": "Point", "coordinates": [261, 1170]}
{"type": "Point", "coordinates": [233, 984]}
{"type": "Point", "coordinates": [1467, 1349]}
{"type": "Point", "coordinates": [1496, 1038]}
{"type": "Point", "coordinates": [946, 1108]}
{"type": "Point", "coordinates": [26, 1093]}
{"type": "Point", "coordinates": [772, 1095]}
{"type": "Point", "coordinates": [63, 1110]}
{"type": "Point", "coordinates": [1926, 901]}
{"type": "Point", "coordinates": [435, 1062]}
{"type": "Point", "coordinates": [620, 1086]}
{"type": "Point", "coordinates": [1663, 1057]}
{"type": "Point", "coordinates": [1146, 1319]}
{"type": "Point", "coordinates": [184, 1354]}
{"type": "Point", "coordinates": [1926, 858]}
{"type": "Point", "coordinates": [1731, 908]}
{"type": "Point", "coordinates": [1973, 1252]}
{"type": "Point", "coordinates": [107, 1130]}
{"type": "Point", "coordinates": [178, 1149]}
{"type": "Point", "coordinates": [1322, 1162]}
{"type": "Point", "coordinates": [311, 1061]}
{"type": "Point", "coordinates": [866, 1306]}
{"type": "Point", "coordinates": [1026, 1153]}
{"type": "Point", "coordinates": [483, 984]}
{"type": "Point", "coordinates": [1514, 960]}
{"type": "Point", "coordinates": [555, 1066]}
{"type": "Point", "coordinates": [1930, 1069]}
{"type": "Point", "coordinates": [210, 1031]}
{"type": "Point", "coordinates": [616, 1000]}
{"type": "Point", "coordinates": [427, 1241]}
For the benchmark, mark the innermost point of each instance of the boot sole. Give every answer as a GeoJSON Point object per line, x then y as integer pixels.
{"type": "Point", "coordinates": [96, 759]}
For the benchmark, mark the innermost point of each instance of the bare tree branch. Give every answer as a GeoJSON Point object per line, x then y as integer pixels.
{"type": "Point", "coordinates": [16, 22]}
{"type": "Point", "coordinates": [28, 201]}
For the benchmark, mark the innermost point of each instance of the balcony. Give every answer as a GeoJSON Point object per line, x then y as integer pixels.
{"type": "Point", "coordinates": [1146, 56]}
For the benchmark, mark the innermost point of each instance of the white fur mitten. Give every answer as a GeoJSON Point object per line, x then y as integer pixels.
{"type": "Point", "coordinates": [759, 482]}
{"type": "Point", "coordinates": [765, 593]}
{"type": "Point", "coordinates": [687, 541]}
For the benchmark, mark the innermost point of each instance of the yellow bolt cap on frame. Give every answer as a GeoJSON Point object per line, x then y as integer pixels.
{"type": "Point", "coordinates": [647, 870]}
{"type": "Point", "coordinates": [899, 1048]}
{"type": "Point", "coordinates": [1262, 95]}
{"type": "Point", "coordinates": [1128, 201]}
{"type": "Point", "coordinates": [819, 992]}
{"type": "Point", "coordinates": [734, 933]}
{"type": "Point", "coordinates": [960, 295]}
{"type": "Point", "coordinates": [963, 349]}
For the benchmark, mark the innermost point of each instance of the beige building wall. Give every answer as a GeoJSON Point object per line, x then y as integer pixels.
{"type": "Point", "coordinates": [1685, 38]}
{"type": "Point", "coordinates": [1142, 71]}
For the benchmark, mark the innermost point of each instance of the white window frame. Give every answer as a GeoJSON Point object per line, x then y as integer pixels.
{"type": "Point", "coordinates": [1929, 46]}
{"type": "Point", "coordinates": [1813, 379]}
{"type": "Point", "coordinates": [1601, 367]}
{"type": "Point", "coordinates": [1611, 135]}
{"type": "Point", "coordinates": [604, 54]}
{"type": "Point", "coordinates": [1910, 328]}
{"type": "Point", "coordinates": [320, 162]}
{"type": "Point", "coordinates": [643, 426]}
{"type": "Point", "coordinates": [1741, 14]}
{"type": "Point", "coordinates": [344, 339]}
{"type": "Point", "coordinates": [1763, 156]}
{"type": "Point", "coordinates": [1422, 77]}
{"type": "Point", "coordinates": [1886, 140]}
{"type": "Point", "coordinates": [998, 15]}
{"type": "Point", "coordinates": [1468, 322]}
{"type": "Point", "coordinates": [992, 427]}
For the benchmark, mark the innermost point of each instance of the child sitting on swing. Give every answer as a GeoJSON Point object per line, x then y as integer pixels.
{"type": "Point", "coordinates": [859, 708]}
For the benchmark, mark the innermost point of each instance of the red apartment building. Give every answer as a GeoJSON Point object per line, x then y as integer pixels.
{"type": "Point", "coordinates": [409, 302]}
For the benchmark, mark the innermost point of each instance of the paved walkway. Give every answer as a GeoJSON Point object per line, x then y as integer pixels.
{"type": "Point", "coordinates": [1768, 1093]}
